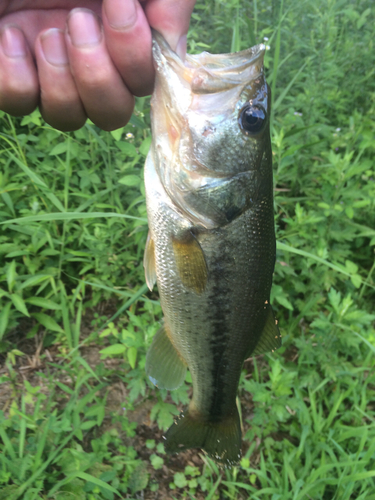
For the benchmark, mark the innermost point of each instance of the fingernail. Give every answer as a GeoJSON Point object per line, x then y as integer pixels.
{"type": "Point", "coordinates": [181, 47]}
{"type": "Point", "coordinates": [121, 14]}
{"type": "Point", "coordinates": [84, 28]}
{"type": "Point", "coordinates": [13, 42]}
{"type": "Point", "coordinates": [53, 45]}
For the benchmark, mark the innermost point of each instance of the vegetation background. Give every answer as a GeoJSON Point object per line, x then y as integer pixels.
{"type": "Point", "coordinates": [78, 418]}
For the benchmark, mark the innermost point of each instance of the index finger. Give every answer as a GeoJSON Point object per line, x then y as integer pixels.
{"type": "Point", "coordinates": [128, 35]}
{"type": "Point", "coordinates": [128, 39]}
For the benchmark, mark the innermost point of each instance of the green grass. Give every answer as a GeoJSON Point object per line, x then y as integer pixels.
{"type": "Point", "coordinates": [78, 419]}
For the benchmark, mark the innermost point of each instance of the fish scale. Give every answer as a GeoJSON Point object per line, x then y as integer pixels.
{"type": "Point", "coordinates": [210, 250]}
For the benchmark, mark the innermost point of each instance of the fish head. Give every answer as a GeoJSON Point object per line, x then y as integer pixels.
{"type": "Point", "coordinates": [210, 119]}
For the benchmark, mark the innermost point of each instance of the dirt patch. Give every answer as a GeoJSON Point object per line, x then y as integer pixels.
{"type": "Point", "coordinates": [40, 365]}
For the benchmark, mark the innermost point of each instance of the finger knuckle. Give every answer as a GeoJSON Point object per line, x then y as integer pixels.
{"type": "Point", "coordinates": [14, 88]}
{"type": "Point", "coordinates": [94, 80]}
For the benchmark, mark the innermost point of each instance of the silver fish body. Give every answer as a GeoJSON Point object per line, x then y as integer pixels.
{"type": "Point", "coordinates": [211, 245]}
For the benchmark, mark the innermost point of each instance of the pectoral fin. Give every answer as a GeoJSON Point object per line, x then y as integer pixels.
{"type": "Point", "coordinates": [190, 261]}
{"type": "Point", "coordinates": [149, 262]}
{"type": "Point", "coordinates": [270, 340]}
{"type": "Point", "coordinates": [164, 366]}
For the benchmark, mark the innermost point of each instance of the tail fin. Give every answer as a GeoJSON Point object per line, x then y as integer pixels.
{"type": "Point", "coordinates": [221, 440]}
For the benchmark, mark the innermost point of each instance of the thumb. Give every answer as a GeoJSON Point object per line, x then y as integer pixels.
{"type": "Point", "coordinates": [171, 18]}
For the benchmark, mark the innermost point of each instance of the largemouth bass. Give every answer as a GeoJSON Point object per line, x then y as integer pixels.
{"type": "Point", "coordinates": [211, 243]}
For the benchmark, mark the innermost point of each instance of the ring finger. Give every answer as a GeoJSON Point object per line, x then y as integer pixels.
{"type": "Point", "coordinates": [60, 103]}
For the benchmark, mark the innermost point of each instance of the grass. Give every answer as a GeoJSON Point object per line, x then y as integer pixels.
{"type": "Point", "coordinates": [78, 419]}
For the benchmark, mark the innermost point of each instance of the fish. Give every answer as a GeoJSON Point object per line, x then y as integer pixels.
{"type": "Point", "coordinates": [211, 244]}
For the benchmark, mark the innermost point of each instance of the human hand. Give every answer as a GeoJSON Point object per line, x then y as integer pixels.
{"type": "Point", "coordinates": [85, 62]}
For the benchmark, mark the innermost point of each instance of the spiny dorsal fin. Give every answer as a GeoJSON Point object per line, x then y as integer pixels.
{"type": "Point", "coordinates": [270, 340]}
{"type": "Point", "coordinates": [164, 365]}
{"type": "Point", "coordinates": [190, 261]}
{"type": "Point", "coordinates": [149, 262]}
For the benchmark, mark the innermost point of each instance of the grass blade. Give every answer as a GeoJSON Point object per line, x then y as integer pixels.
{"type": "Point", "coordinates": [98, 482]}
{"type": "Point", "coordinates": [70, 216]}
{"type": "Point", "coordinates": [288, 87]}
{"type": "Point", "coordinates": [32, 175]}
{"type": "Point", "coordinates": [22, 428]}
{"type": "Point", "coordinates": [7, 443]}
{"type": "Point", "coordinates": [344, 327]}
{"type": "Point", "coordinates": [41, 444]}
{"type": "Point", "coordinates": [276, 56]}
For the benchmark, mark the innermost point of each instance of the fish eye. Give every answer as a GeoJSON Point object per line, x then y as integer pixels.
{"type": "Point", "coordinates": [252, 119]}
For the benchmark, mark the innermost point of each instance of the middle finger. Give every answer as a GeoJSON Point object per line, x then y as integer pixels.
{"type": "Point", "coordinates": [106, 99]}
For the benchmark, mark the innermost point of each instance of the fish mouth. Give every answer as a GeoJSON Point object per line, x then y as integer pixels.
{"type": "Point", "coordinates": [205, 82]}
{"type": "Point", "coordinates": [208, 73]}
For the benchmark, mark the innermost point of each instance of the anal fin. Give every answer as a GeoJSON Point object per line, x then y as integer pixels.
{"type": "Point", "coordinates": [270, 339]}
{"type": "Point", "coordinates": [190, 262]}
{"type": "Point", "coordinates": [164, 366]}
{"type": "Point", "coordinates": [149, 262]}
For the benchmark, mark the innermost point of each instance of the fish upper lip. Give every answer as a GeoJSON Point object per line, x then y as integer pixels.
{"type": "Point", "coordinates": [215, 62]}
{"type": "Point", "coordinates": [210, 73]}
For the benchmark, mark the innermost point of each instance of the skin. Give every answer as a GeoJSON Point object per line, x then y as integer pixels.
{"type": "Point", "coordinates": [79, 59]}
